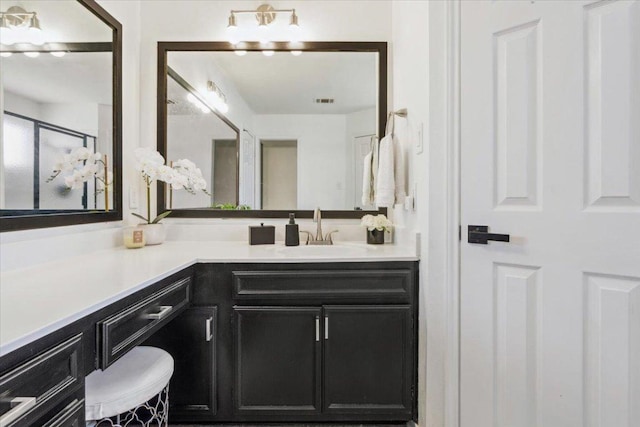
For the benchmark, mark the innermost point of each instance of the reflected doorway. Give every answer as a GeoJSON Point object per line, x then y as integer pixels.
{"type": "Point", "coordinates": [279, 177]}
{"type": "Point", "coordinates": [225, 172]}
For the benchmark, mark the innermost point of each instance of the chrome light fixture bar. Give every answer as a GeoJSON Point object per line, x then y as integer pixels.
{"type": "Point", "coordinates": [265, 14]}
{"type": "Point", "coordinates": [19, 26]}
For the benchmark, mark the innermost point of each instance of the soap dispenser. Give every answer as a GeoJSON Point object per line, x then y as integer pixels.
{"type": "Point", "coordinates": [292, 233]}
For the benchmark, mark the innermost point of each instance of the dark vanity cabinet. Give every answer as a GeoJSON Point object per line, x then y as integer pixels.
{"type": "Point", "coordinates": [278, 360]}
{"type": "Point", "coordinates": [368, 359]}
{"type": "Point", "coordinates": [190, 339]}
{"type": "Point", "coordinates": [312, 342]}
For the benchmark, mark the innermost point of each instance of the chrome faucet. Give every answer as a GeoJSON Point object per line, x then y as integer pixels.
{"type": "Point", "coordinates": [318, 239]}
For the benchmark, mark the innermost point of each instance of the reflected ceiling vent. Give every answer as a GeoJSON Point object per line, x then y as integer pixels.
{"type": "Point", "coordinates": [324, 100]}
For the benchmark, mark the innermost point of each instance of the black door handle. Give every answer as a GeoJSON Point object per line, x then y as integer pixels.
{"type": "Point", "coordinates": [480, 234]}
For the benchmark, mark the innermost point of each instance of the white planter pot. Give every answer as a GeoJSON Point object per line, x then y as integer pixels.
{"type": "Point", "coordinates": [154, 234]}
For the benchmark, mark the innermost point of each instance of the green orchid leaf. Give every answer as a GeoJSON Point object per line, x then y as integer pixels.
{"type": "Point", "coordinates": [161, 217]}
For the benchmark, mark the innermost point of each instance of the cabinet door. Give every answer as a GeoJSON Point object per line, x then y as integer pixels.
{"type": "Point", "coordinates": [277, 360]}
{"type": "Point", "coordinates": [368, 359]}
{"type": "Point", "coordinates": [191, 340]}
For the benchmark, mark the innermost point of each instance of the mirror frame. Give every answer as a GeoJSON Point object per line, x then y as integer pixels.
{"type": "Point", "coordinates": [165, 47]}
{"type": "Point", "coordinates": [58, 218]}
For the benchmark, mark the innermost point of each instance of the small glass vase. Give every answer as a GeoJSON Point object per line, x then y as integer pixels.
{"type": "Point", "coordinates": [375, 237]}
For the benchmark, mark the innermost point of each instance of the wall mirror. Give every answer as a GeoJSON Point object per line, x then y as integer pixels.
{"type": "Point", "coordinates": [272, 132]}
{"type": "Point", "coordinates": [60, 115]}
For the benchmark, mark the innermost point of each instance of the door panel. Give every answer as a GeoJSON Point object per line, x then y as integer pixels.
{"type": "Point", "coordinates": [191, 340]}
{"type": "Point", "coordinates": [550, 154]}
{"type": "Point", "coordinates": [367, 359]}
{"type": "Point", "coordinates": [277, 360]}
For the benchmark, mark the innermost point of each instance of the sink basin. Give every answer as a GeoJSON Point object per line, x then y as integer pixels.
{"type": "Point", "coordinates": [336, 250]}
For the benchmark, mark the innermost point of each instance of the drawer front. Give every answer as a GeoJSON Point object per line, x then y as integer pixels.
{"type": "Point", "coordinates": [395, 285]}
{"type": "Point", "coordinates": [71, 416]}
{"type": "Point", "coordinates": [126, 329]}
{"type": "Point", "coordinates": [37, 386]}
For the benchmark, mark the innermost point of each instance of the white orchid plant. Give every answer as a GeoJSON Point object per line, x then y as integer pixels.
{"type": "Point", "coordinates": [183, 174]}
{"type": "Point", "coordinates": [379, 222]}
{"type": "Point", "coordinates": [79, 166]}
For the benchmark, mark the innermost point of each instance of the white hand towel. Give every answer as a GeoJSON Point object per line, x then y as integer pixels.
{"type": "Point", "coordinates": [385, 181]}
{"type": "Point", "coordinates": [399, 173]}
{"type": "Point", "coordinates": [390, 182]}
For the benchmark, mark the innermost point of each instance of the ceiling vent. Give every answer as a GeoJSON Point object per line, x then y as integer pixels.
{"type": "Point", "coordinates": [324, 100]}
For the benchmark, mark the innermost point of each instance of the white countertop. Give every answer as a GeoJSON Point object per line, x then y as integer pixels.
{"type": "Point", "coordinates": [38, 300]}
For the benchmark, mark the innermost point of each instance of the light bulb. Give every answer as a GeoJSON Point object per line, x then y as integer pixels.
{"type": "Point", "coordinates": [5, 54]}
{"type": "Point", "coordinates": [240, 52]}
{"type": "Point", "coordinates": [263, 32]}
{"type": "Point", "coordinates": [32, 54]}
{"type": "Point", "coordinates": [34, 33]}
{"type": "Point", "coordinates": [223, 108]}
{"type": "Point", "coordinates": [58, 54]}
{"type": "Point", "coordinates": [296, 52]}
{"type": "Point", "coordinates": [233, 35]}
{"type": "Point", "coordinates": [6, 35]}
{"type": "Point", "coordinates": [294, 28]}
{"type": "Point", "coordinates": [268, 52]}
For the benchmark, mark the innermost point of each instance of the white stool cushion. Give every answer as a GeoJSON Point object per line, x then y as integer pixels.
{"type": "Point", "coordinates": [132, 380]}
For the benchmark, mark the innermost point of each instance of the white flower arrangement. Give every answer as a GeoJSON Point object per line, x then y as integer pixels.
{"type": "Point", "coordinates": [81, 165]}
{"type": "Point", "coordinates": [379, 222]}
{"type": "Point", "coordinates": [183, 175]}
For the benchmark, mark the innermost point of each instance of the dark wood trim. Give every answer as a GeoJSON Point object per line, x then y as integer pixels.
{"type": "Point", "coordinates": [164, 47]}
{"type": "Point", "coordinates": [60, 47]}
{"type": "Point", "coordinates": [15, 220]}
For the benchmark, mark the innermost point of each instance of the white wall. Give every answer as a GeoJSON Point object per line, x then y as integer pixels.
{"type": "Point", "coordinates": [321, 165]}
{"type": "Point", "coordinates": [410, 61]}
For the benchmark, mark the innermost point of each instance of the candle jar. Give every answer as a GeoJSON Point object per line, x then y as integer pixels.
{"type": "Point", "coordinates": [133, 237]}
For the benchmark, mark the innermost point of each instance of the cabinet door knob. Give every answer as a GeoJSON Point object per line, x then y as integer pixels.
{"type": "Point", "coordinates": [209, 328]}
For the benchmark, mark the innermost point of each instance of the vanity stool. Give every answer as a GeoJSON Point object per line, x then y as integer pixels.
{"type": "Point", "coordinates": [132, 391]}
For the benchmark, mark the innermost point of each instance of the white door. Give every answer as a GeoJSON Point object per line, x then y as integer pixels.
{"type": "Point", "coordinates": [550, 128]}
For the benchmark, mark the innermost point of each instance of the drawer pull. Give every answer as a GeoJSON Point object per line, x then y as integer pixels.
{"type": "Point", "coordinates": [23, 405]}
{"type": "Point", "coordinates": [164, 312]}
{"type": "Point", "coordinates": [209, 328]}
{"type": "Point", "coordinates": [317, 328]}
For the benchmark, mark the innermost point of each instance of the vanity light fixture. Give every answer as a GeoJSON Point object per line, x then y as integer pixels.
{"type": "Point", "coordinates": [5, 54]}
{"type": "Point", "coordinates": [265, 14]}
{"type": "Point", "coordinates": [296, 52]}
{"type": "Point", "coordinates": [31, 54]}
{"type": "Point", "coordinates": [268, 52]}
{"type": "Point", "coordinates": [240, 52]}
{"type": "Point", "coordinates": [216, 96]}
{"type": "Point", "coordinates": [58, 53]}
{"type": "Point", "coordinates": [19, 26]}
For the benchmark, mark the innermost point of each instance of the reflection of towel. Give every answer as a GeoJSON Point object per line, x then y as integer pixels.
{"type": "Point", "coordinates": [367, 181]}
{"type": "Point", "coordinates": [390, 181]}
{"type": "Point", "coordinates": [370, 171]}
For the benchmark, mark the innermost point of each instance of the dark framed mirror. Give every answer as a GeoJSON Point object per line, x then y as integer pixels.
{"type": "Point", "coordinates": [60, 115]}
{"type": "Point", "coordinates": [272, 132]}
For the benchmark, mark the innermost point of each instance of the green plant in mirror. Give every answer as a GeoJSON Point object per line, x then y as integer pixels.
{"type": "Point", "coordinates": [231, 207]}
